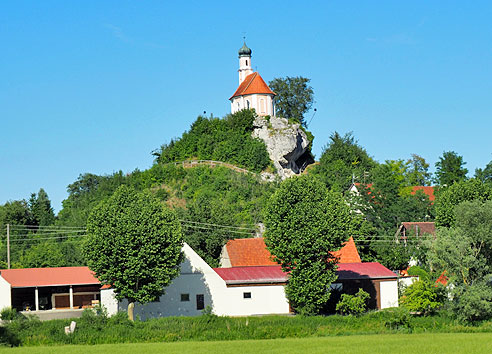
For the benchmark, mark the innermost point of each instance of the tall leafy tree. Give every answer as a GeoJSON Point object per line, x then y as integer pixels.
{"type": "Point", "coordinates": [450, 169]}
{"type": "Point", "coordinates": [134, 244]}
{"type": "Point", "coordinates": [342, 161]}
{"type": "Point", "coordinates": [304, 222]}
{"type": "Point", "coordinates": [294, 97]}
{"type": "Point", "coordinates": [417, 171]}
{"type": "Point", "coordinates": [450, 197]}
{"type": "Point", "coordinates": [485, 174]}
{"type": "Point", "coordinates": [464, 251]}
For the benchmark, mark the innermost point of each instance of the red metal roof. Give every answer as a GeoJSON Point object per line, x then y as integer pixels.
{"type": "Point", "coordinates": [32, 277]}
{"type": "Point", "coordinates": [429, 190]}
{"type": "Point", "coordinates": [253, 83]}
{"type": "Point", "coordinates": [274, 274]}
{"type": "Point", "coordinates": [252, 275]}
{"type": "Point", "coordinates": [246, 252]}
{"type": "Point", "coordinates": [368, 270]}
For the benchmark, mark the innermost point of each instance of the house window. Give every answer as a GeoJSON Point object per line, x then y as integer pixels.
{"type": "Point", "coordinates": [247, 295]}
{"type": "Point", "coordinates": [247, 102]}
{"type": "Point", "coordinates": [185, 297]}
{"type": "Point", "coordinates": [200, 302]}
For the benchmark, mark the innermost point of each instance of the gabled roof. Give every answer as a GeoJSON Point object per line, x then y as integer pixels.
{"type": "Point", "coordinates": [348, 253]}
{"type": "Point", "coordinates": [60, 276]}
{"type": "Point", "coordinates": [429, 190]}
{"type": "Point", "coordinates": [253, 83]}
{"type": "Point", "coordinates": [253, 252]}
{"type": "Point", "coordinates": [275, 275]}
{"type": "Point", "coordinates": [249, 252]}
{"type": "Point", "coordinates": [419, 228]}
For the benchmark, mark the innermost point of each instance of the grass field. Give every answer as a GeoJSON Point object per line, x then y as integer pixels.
{"type": "Point", "coordinates": [387, 343]}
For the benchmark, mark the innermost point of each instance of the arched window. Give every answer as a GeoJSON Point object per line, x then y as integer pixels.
{"type": "Point", "coordinates": [246, 63]}
{"type": "Point", "coordinates": [262, 105]}
{"type": "Point", "coordinates": [247, 103]}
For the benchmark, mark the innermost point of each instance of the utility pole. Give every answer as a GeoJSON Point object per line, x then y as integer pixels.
{"type": "Point", "coordinates": [8, 246]}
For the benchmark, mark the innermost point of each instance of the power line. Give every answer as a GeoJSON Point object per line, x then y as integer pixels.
{"type": "Point", "coordinates": [46, 238]}
{"type": "Point", "coordinates": [217, 225]}
{"type": "Point", "coordinates": [35, 227]}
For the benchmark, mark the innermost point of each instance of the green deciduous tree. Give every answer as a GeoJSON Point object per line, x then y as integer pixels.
{"type": "Point", "coordinates": [343, 160]}
{"type": "Point", "coordinates": [484, 175]}
{"type": "Point", "coordinates": [294, 97]}
{"type": "Point", "coordinates": [465, 252]}
{"type": "Point", "coordinates": [304, 222]}
{"type": "Point", "coordinates": [449, 197]}
{"type": "Point", "coordinates": [43, 255]}
{"type": "Point", "coordinates": [422, 296]}
{"type": "Point", "coordinates": [450, 169]}
{"type": "Point", "coordinates": [134, 244]}
{"type": "Point", "coordinates": [417, 171]}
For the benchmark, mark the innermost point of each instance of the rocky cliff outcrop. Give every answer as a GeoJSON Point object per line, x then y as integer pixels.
{"type": "Point", "coordinates": [287, 144]}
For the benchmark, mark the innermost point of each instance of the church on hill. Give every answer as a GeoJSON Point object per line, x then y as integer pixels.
{"type": "Point", "coordinates": [253, 92]}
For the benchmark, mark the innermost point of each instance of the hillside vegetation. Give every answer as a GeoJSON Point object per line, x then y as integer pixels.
{"type": "Point", "coordinates": [227, 140]}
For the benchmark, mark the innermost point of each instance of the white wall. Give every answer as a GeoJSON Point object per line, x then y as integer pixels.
{"type": "Point", "coordinates": [197, 277]}
{"type": "Point", "coordinates": [268, 299]}
{"type": "Point", "coordinates": [239, 102]}
{"type": "Point", "coordinates": [5, 293]}
{"type": "Point", "coordinates": [389, 293]}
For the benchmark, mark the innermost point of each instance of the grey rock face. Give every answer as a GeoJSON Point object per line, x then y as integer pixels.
{"type": "Point", "coordinates": [286, 144]}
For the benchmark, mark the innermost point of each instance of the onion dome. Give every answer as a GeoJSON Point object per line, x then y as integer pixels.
{"type": "Point", "coordinates": [244, 50]}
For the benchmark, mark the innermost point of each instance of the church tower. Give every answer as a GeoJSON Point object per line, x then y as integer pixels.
{"type": "Point", "coordinates": [244, 62]}
{"type": "Point", "coordinates": [253, 92]}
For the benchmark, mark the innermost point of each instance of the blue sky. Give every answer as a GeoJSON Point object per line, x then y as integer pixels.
{"type": "Point", "coordinates": [95, 86]}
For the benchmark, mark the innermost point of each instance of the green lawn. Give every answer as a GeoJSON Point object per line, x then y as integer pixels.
{"type": "Point", "coordinates": [387, 343]}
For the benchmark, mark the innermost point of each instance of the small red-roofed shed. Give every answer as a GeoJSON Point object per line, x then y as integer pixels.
{"type": "Point", "coordinates": [36, 289]}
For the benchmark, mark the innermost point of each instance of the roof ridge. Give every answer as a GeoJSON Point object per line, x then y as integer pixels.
{"type": "Point", "coordinates": [253, 75]}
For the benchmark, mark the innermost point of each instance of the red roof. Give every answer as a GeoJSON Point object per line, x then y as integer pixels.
{"type": "Point", "coordinates": [429, 190]}
{"type": "Point", "coordinates": [368, 270]}
{"type": "Point", "coordinates": [274, 274]}
{"type": "Point", "coordinates": [443, 279]}
{"type": "Point", "coordinates": [253, 252]}
{"type": "Point", "coordinates": [348, 253]}
{"type": "Point", "coordinates": [252, 275]}
{"type": "Point", "coordinates": [31, 277]}
{"type": "Point", "coordinates": [253, 83]}
{"type": "Point", "coordinates": [420, 228]}
{"type": "Point", "coordinates": [249, 252]}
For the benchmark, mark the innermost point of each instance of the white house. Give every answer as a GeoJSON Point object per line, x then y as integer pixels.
{"type": "Point", "coordinates": [199, 286]}
{"type": "Point", "coordinates": [252, 92]}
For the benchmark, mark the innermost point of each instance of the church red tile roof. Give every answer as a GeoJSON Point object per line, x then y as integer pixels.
{"type": "Point", "coordinates": [429, 190]}
{"type": "Point", "coordinates": [253, 83]}
{"type": "Point", "coordinates": [253, 252]}
{"type": "Point", "coordinates": [31, 277]}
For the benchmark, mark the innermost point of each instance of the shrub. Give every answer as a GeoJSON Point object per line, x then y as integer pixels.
{"type": "Point", "coordinates": [420, 272]}
{"type": "Point", "coordinates": [353, 304]}
{"type": "Point", "coordinates": [399, 318]}
{"type": "Point", "coordinates": [422, 296]}
{"type": "Point", "coordinates": [472, 303]}
{"type": "Point", "coordinates": [9, 314]}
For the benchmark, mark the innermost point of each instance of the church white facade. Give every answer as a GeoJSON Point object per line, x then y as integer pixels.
{"type": "Point", "coordinates": [253, 92]}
